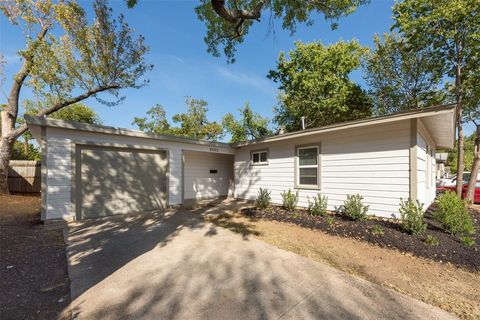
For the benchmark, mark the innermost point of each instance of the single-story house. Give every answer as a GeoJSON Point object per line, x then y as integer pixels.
{"type": "Point", "coordinates": [92, 170]}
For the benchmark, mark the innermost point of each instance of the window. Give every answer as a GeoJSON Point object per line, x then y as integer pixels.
{"type": "Point", "coordinates": [260, 157]}
{"type": "Point", "coordinates": [307, 171]}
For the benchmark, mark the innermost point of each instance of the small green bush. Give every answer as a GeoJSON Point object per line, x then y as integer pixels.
{"type": "Point", "coordinates": [468, 241]}
{"type": "Point", "coordinates": [330, 221]}
{"type": "Point", "coordinates": [290, 200]}
{"type": "Point", "coordinates": [377, 230]}
{"type": "Point", "coordinates": [411, 216]}
{"type": "Point", "coordinates": [453, 214]}
{"type": "Point", "coordinates": [354, 208]}
{"type": "Point", "coordinates": [318, 207]}
{"type": "Point", "coordinates": [263, 198]}
{"type": "Point", "coordinates": [431, 240]}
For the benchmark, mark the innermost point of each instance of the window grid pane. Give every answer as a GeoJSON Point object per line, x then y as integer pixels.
{"type": "Point", "coordinates": [255, 158]}
{"type": "Point", "coordinates": [263, 157]}
{"type": "Point", "coordinates": [308, 156]}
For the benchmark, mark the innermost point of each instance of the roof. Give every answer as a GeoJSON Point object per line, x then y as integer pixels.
{"type": "Point", "coordinates": [439, 120]}
{"type": "Point", "coordinates": [33, 121]}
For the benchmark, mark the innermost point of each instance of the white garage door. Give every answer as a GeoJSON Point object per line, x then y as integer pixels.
{"type": "Point", "coordinates": [207, 175]}
{"type": "Point", "coordinates": [118, 181]}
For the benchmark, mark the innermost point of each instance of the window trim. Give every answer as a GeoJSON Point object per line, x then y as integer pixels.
{"type": "Point", "coordinates": [259, 163]}
{"type": "Point", "coordinates": [318, 166]}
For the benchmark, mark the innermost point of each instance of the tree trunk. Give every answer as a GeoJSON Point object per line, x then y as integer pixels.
{"type": "Point", "coordinates": [459, 114]}
{"type": "Point", "coordinates": [6, 146]}
{"type": "Point", "coordinates": [25, 146]}
{"type": "Point", "coordinates": [475, 168]}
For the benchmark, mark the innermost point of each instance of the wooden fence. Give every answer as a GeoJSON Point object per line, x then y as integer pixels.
{"type": "Point", "coordinates": [24, 176]}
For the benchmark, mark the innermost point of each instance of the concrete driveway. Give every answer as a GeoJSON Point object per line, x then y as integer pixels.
{"type": "Point", "coordinates": [175, 266]}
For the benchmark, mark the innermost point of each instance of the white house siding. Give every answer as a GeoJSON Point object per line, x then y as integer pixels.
{"type": "Point", "coordinates": [59, 143]}
{"type": "Point", "coordinates": [372, 161]}
{"type": "Point", "coordinates": [200, 183]}
{"type": "Point", "coordinates": [425, 166]}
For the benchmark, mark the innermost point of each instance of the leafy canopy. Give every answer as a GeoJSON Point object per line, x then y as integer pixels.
{"type": "Point", "coordinates": [315, 83]}
{"type": "Point", "coordinates": [400, 76]}
{"type": "Point", "coordinates": [65, 54]}
{"type": "Point", "coordinates": [250, 126]}
{"type": "Point", "coordinates": [229, 21]}
{"type": "Point", "coordinates": [192, 124]}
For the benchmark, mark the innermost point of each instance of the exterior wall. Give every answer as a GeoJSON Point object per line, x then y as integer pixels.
{"type": "Point", "coordinates": [372, 161]}
{"type": "Point", "coordinates": [60, 148]}
{"type": "Point", "coordinates": [199, 182]}
{"type": "Point", "coordinates": [426, 166]}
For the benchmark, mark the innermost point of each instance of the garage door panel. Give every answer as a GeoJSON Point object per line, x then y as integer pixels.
{"type": "Point", "coordinates": [121, 181]}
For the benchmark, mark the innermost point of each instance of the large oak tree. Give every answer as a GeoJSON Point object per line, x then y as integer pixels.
{"type": "Point", "coordinates": [67, 59]}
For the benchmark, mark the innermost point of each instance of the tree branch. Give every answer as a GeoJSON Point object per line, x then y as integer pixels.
{"type": "Point", "coordinates": [235, 15]}
{"type": "Point", "coordinates": [23, 128]}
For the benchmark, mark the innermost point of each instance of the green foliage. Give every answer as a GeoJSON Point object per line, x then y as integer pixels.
{"type": "Point", "coordinates": [431, 240]}
{"type": "Point", "coordinates": [452, 212]}
{"type": "Point", "coordinates": [228, 30]}
{"type": "Point", "coordinates": [468, 241]}
{"type": "Point", "coordinates": [22, 152]}
{"type": "Point", "coordinates": [318, 207]}
{"type": "Point", "coordinates": [193, 123]}
{"type": "Point", "coordinates": [329, 221]}
{"type": "Point", "coordinates": [354, 208]}
{"type": "Point", "coordinates": [250, 126]}
{"type": "Point", "coordinates": [411, 216]}
{"type": "Point", "coordinates": [79, 56]}
{"type": "Point", "coordinates": [314, 83]}
{"type": "Point", "coordinates": [77, 112]}
{"type": "Point", "coordinates": [263, 198]}
{"type": "Point", "coordinates": [377, 230]}
{"type": "Point", "coordinates": [156, 121]}
{"type": "Point", "coordinates": [289, 199]}
{"type": "Point", "coordinates": [449, 31]}
{"type": "Point", "coordinates": [401, 77]}
{"type": "Point", "coordinates": [468, 147]}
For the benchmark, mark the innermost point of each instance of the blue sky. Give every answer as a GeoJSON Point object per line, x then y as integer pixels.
{"type": "Point", "coordinates": [184, 68]}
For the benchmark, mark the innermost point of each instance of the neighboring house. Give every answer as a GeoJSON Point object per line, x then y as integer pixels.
{"type": "Point", "coordinates": [91, 170]}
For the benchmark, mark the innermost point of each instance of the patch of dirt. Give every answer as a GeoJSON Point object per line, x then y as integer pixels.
{"type": "Point", "coordinates": [445, 285]}
{"type": "Point", "coordinates": [449, 248]}
{"type": "Point", "coordinates": [33, 265]}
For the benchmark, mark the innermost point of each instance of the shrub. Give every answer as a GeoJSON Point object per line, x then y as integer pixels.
{"type": "Point", "coordinates": [290, 200]}
{"type": "Point", "coordinates": [354, 208]}
{"type": "Point", "coordinates": [453, 214]}
{"type": "Point", "coordinates": [431, 240]}
{"type": "Point", "coordinates": [318, 207]}
{"type": "Point", "coordinates": [411, 216]}
{"type": "Point", "coordinates": [330, 221]}
{"type": "Point", "coordinates": [468, 241]}
{"type": "Point", "coordinates": [377, 230]}
{"type": "Point", "coordinates": [263, 199]}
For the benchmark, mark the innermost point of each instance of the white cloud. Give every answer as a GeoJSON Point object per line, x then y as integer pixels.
{"type": "Point", "coordinates": [250, 80]}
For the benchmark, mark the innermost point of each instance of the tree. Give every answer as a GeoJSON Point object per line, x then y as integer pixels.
{"type": "Point", "coordinates": [250, 126]}
{"type": "Point", "coordinates": [449, 30]}
{"type": "Point", "coordinates": [401, 77]}
{"type": "Point", "coordinates": [67, 60]}
{"type": "Point", "coordinates": [315, 83]}
{"type": "Point", "coordinates": [158, 123]}
{"type": "Point", "coordinates": [469, 144]}
{"type": "Point", "coordinates": [195, 124]}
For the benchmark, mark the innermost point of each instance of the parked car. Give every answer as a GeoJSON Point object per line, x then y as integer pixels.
{"type": "Point", "coordinates": [476, 196]}
{"type": "Point", "coordinates": [449, 182]}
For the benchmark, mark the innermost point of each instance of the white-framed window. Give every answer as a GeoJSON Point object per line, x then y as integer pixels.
{"type": "Point", "coordinates": [308, 173]}
{"type": "Point", "coordinates": [259, 157]}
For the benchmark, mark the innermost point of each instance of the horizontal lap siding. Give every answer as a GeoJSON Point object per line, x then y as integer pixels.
{"type": "Point", "coordinates": [373, 162]}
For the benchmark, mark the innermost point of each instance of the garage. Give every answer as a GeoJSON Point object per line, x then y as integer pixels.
{"type": "Point", "coordinates": [119, 180]}
{"type": "Point", "coordinates": [207, 175]}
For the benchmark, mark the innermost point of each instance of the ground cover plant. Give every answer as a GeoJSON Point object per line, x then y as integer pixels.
{"type": "Point", "coordinates": [434, 242]}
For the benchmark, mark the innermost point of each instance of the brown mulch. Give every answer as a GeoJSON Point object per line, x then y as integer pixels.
{"type": "Point", "coordinates": [33, 266]}
{"type": "Point", "coordinates": [450, 249]}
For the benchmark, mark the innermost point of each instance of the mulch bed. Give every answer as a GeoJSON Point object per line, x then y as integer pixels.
{"type": "Point", "coordinates": [33, 267]}
{"type": "Point", "coordinates": [450, 249]}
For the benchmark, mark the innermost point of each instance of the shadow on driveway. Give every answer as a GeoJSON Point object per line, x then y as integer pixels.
{"type": "Point", "coordinates": [176, 266]}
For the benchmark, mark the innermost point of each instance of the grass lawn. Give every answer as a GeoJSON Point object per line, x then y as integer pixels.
{"type": "Point", "coordinates": [443, 284]}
